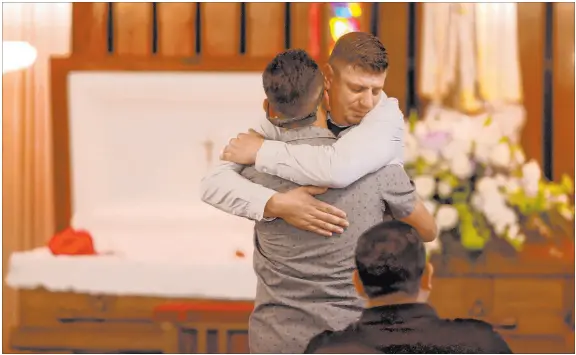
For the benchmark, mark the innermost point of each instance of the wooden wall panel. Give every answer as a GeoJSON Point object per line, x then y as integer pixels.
{"type": "Point", "coordinates": [220, 29]}
{"type": "Point", "coordinates": [300, 25]}
{"type": "Point", "coordinates": [265, 29]}
{"type": "Point", "coordinates": [89, 34]}
{"type": "Point", "coordinates": [563, 89]}
{"type": "Point", "coordinates": [132, 28]}
{"type": "Point", "coordinates": [531, 25]}
{"type": "Point", "coordinates": [420, 102]}
{"type": "Point", "coordinates": [177, 29]}
{"type": "Point", "coordinates": [366, 16]}
{"type": "Point", "coordinates": [393, 19]}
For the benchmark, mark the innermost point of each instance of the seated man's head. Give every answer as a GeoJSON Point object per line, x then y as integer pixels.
{"type": "Point", "coordinates": [294, 87]}
{"type": "Point", "coordinates": [355, 76]}
{"type": "Point", "coordinates": [391, 265]}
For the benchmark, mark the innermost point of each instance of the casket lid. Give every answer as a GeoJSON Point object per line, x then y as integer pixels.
{"type": "Point", "coordinates": [137, 144]}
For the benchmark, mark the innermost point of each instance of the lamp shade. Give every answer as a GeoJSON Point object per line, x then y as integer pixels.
{"type": "Point", "coordinates": [17, 55]}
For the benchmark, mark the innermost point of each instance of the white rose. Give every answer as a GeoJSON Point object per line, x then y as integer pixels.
{"type": "Point", "coordinates": [531, 175]}
{"type": "Point", "coordinates": [513, 231]}
{"type": "Point", "coordinates": [500, 180]}
{"type": "Point", "coordinates": [494, 206]}
{"type": "Point", "coordinates": [510, 119]}
{"type": "Point", "coordinates": [464, 129]}
{"type": "Point", "coordinates": [455, 148]}
{"type": "Point", "coordinates": [439, 124]}
{"type": "Point", "coordinates": [411, 151]}
{"type": "Point", "coordinates": [531, 170]}
{"type": "Point", "coordinates": [486, 185]}
{"type": "Point", "coordinates": [446, 217]}
{"type": "Point", "coordinates": [482, 152]}
{"type": "Point", "coordinates": [430, 206]}
{"type": "Point", "coordinates": [496, 203]}
{"type": "Point", "coordinates": [461, 166]}
{"type": "Point", "coordinates": [429, 156]}
{"type": "Point", "coordinates": [519, 156]}
{"type": "Point", "coordinates": [499, 228]}
{"type": "Point", "coordinates": [507, 216]}
{"type": "Point", "coordinates": [444, 189]}
{"type": "Point", "coordinates": [420, 129]}
{"type": "Point", "coordinates": [489, 135]}
{"type": "Point", "coordinates": [477, 202]}
{"type": "Point", "coordinates": [500, 155]}
{"type": "Point", "coordinates": [425, 186]}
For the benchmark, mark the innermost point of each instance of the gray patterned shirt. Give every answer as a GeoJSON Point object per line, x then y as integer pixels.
{"type": "Point", "coordinates": [305, 280]}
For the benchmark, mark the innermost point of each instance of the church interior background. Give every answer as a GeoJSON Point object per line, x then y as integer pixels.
{"type": "Point", "coordinates": [488, 94]}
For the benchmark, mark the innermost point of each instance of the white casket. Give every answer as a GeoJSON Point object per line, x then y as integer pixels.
{"type": "Point", "coordinates": [140, 143]}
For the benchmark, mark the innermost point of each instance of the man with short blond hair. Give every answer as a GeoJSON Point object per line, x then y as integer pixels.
{"type": "Point", "coordinates": [305, 280]}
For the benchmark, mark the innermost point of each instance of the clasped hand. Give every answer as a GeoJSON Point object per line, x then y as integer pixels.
{"type": "Point", "coordinates": [297, 207]}
{"type": "Point", "coordinates": [243, 149]}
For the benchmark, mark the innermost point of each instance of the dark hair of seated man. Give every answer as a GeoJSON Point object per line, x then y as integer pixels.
{"type": "Point", "coordinates": [294, 87]}
{"type": "Point", "coordinates": [394, 278]}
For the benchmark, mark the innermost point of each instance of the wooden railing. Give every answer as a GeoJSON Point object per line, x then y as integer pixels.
{"type": "Point", "coordinates": [230, 31]}
{"type": "Point", "coordinates": [190, 29]}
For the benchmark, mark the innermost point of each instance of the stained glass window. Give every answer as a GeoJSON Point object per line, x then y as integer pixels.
{"type": "Point", "coordinates": [344, 18]}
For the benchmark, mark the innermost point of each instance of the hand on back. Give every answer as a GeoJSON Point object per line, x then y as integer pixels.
{"type": "Point", "coordinates": [299, 208]}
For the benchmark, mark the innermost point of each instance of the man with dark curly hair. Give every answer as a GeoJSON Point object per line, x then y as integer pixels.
{"type": "Point", "coordinates": [305, 280]}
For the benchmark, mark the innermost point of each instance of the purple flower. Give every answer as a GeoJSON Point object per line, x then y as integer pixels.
{"type": "Point", "coordinates": [435, 140]}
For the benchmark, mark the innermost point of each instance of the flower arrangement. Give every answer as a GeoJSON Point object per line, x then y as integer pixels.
{"type": "Point", "coordinates": [471, 172]}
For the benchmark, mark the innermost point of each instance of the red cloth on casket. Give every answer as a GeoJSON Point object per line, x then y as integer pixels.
{"type": "Point", "coordinates": [72, 242]}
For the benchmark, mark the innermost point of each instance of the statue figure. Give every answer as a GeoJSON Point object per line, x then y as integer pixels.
{"type": "Point", "coordinates": [470, 56]}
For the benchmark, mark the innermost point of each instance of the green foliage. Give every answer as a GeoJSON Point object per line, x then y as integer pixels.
{"type": "Point", "coordinates": [470, 237]}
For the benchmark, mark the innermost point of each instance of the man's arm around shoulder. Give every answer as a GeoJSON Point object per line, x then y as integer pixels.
{"type": "Point", "coordinates": [377, 141]}
{"type": "Point", "coordinates": [224, 188]}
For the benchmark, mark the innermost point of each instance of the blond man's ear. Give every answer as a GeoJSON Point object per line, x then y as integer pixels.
{"type": "Point", "coordinates": [326, 101]}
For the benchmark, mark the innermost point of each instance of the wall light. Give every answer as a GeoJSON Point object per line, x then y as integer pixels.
{"type": "Point", "coordinates": [17, 55]}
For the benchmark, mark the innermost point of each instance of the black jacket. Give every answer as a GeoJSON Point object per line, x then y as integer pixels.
{"type": "Point", "coordinates": [413, 328]}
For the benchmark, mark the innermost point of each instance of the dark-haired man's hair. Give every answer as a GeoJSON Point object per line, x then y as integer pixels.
{"type": "Point", "coordinates": [362, 50]}
{"type": "Point", "coordinates": [390, 257]}
{"type": "Point", "coordinates": [292, 82]}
